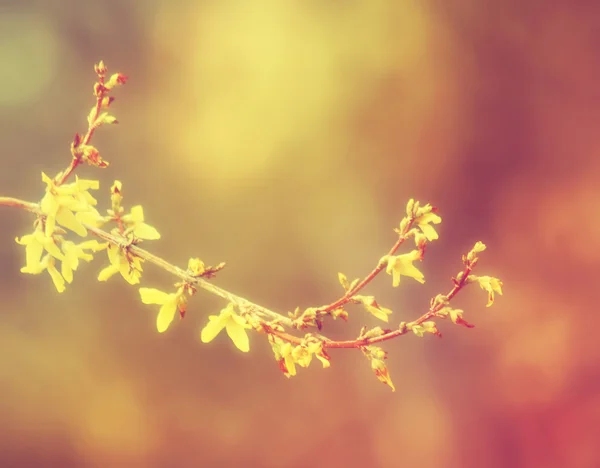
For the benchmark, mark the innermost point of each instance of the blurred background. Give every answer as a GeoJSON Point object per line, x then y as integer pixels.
{"type": "Point", "coordinates": [285, 139]}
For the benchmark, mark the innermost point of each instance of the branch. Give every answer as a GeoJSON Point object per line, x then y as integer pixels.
{"type": "Point", "coordinates": [186, 277]}
{"type": "Point", "coordinates": [122, 242]}
{"type": "Point", "coordinates": [16, 203]}
{"type": "Point", "coordinates": [72, 207]}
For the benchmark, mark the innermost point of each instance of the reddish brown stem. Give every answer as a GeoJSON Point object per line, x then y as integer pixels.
{"type": "Point", "coordinates": [76, 161]}
{"type": "Point", "coordinates": [380, 266]}
{"type": "Point", "coordinates": [360, 342]}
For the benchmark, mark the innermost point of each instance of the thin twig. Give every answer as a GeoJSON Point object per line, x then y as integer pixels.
{"type": "Point", "coordinates": [402, 237]}
{"type": "Point", "coordinates": [16, 203]}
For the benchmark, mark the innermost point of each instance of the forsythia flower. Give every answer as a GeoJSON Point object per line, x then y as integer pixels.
{"type": "Point", "coordinates": [425, 327]}
{"type": "Point", "coordinates": [289, 355]}
{"type": "Point", "coordinates": [373, 307]}
{"type": "Point", "coordinates": [403, 265]}
{"type": "Point", "coordinates": [35, 244]}
{"type": "Point", "coordinates": [91, 217]}
{"type": "Point", "coordinates": [234, 324]}
{"type": "Point", "coordinates": [377, 356]}
{"type": "Point", "coordinates": [303, 354]}
{"type": "Point", "coordinates": [48, 263]}
{"type": "Point", "coordinates": [73, 252]}
{"type": "Point", "coordinates": [35, 263]}
{"type": "Point", "coordinates": [169, 303]}
{"type": "Point", "coordinates": [135, 223]}
{"type": "Point", "coordinates": [196, 266]}
{"type": "Point", "coordinates": [130, 269]}
{"type": "Point", "coordinates": [61, 202]}
{"type": "Point", "coordinates": [489, 284]}
{"type": "Point", "coordinates": [423, 222]}
{"type": "Point", "coordinates": [382, 372]}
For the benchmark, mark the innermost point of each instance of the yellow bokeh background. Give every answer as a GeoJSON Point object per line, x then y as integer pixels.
{"type": "Point", "coordinates": [285, 139]}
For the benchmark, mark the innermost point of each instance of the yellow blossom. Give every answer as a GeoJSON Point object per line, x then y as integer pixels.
{"type": "Point", "coordinates": [289, 360]}
{"type": "Point", "coordinates": [91, 217]}
{"type": "Point", "coordinates": [382, 372]}
{"type": "Point", "coordinates": [423, 222]}
{"type": "Point", "coordinates": [402, 265]}
{"type": "Point", "coordinates": [73, 252]}
{"type": "Point", "coordinates": [425, 327]}
{"type": "Point", "coordinates": [196, 267]}
{"type": "Point", "coordinates": [489, 284]}
{"type": "Point", "coordinates": [317, 349]}
{"type": "Point", "coordinates": [35, 263]}
{"type": "Point", "coordinates": [48, 263]}
{"type": "Point", "coordinates": [302, 356]}
{"type": "Point", "coordinates": [234, 324]}
{"type": "Point", "coordinates": [60, 203]}
{"type": "Point", "coordinates": [373, 307]}
{"type": "Point", "coordinates": [135, 223]}
{"type": "Point", "coordinates": [129, 267]}
{"type": "Point", "coordinates": [35, 244]}
{"type": "Point", "coordinates": [169, 304]}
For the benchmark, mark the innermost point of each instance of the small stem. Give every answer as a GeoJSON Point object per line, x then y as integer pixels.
{"type": "Point", "coordinates": [401, 331]}
{"type": "Point", "coordinates": [182, 274]}
{"type": "Point", "coordinates": [85, 140]}
{"type": "Point", "coordinates": [380, 266]}
{"type": "Point", "coordinates": [16, 203]}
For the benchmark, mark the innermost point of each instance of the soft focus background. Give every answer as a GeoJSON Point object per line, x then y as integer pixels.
{"type": "Point", "coordinates": [285, 139]}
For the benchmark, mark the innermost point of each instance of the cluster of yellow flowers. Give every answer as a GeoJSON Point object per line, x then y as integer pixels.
{"type": "Point", "coordinates": [69, 208]}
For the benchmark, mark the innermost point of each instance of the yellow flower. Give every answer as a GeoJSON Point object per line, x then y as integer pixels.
{"type": "Point", "coordinates": [382, 372]}
{"type": "Point", "coordinates": [423, 222]}
{"type": "Point", "coordinates": [425, 327]}
{"type": "Point", "coordinates": [73, 252]}
{"type": "Point", "coordinates": [234, 324]}
{"type": "Point", "coordinates": [196, 267]}
{"type": "Point", "coordinates": [169, 304]}
{"type": "Point", "coordinates": [91, 217]}
{"type": "Point", "coordinates": [129, 267]}
{"type": "Point", "coordinates": [302, 354]}
{"type": "Point", "coordinates": [373, 307]}
{"type": "Point", "coordinates": [35, 264]}
{"type": "Point", "coordinates": [48, 263]}
{"type": "Point", "coordinates": [402, 265]}
{"type": "Point", "coordinates": [289, 355]}
{"type": "Point", "coordinates": [60, 203]}
{"type": "Point", "coordinates": [289, 361]}
{"type": "Point", "coordinates": [489, 284]}
{"type": "Point", "coordinates": [135, 223]}
{"type": "Point", "coordinates": [35, 244]}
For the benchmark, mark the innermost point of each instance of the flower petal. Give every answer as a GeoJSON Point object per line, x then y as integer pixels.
{"type": "Point", "coordinates": [107, 272]}
{"type": "Point", "coordinates": [66, 218]}
{"type": "Point", "coordinates": [166, 315]}
{"type": "Point", "coordinates": [137, 214]}
{"type": "Point", "coordinates": [130, 274]}
{"type": "Point", "coordinates": [33, 254]}
{"type": "Point", "coordinates": [57, 279]}
{"type": "Point", "coordinates": [145, 231]}
{"type": "Point", "coordinates": [212, 328]}
{"type": "Point", "coordinates": [153, 296]}
{"type": "Point", "coordinates": [67, 271]}
{"type": "Point", "coordinates": [401, 265]}
{"type": "Point", "coordinates": [238, 335]}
